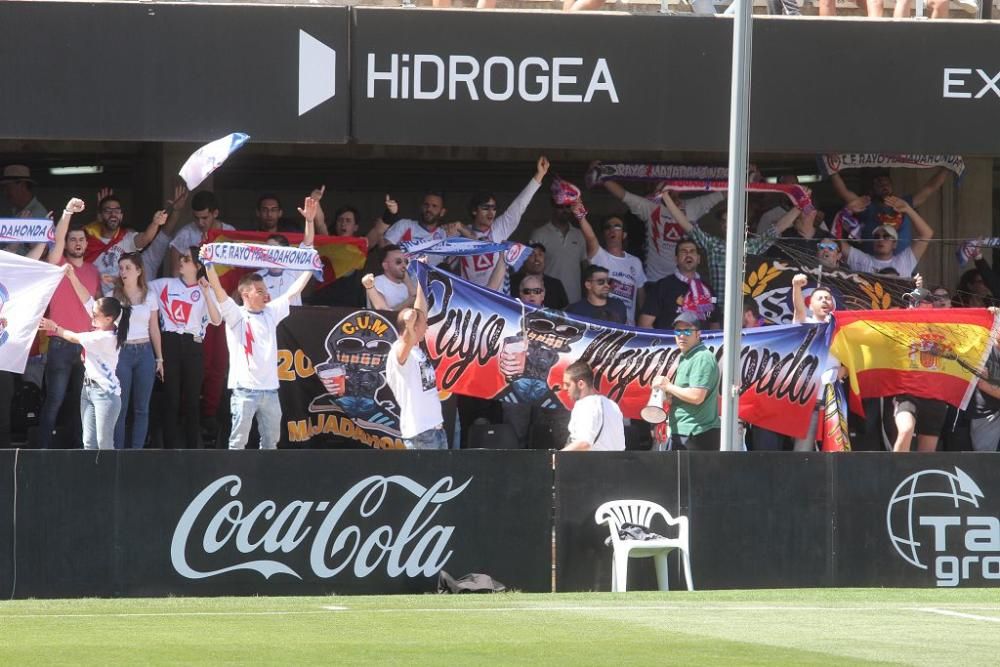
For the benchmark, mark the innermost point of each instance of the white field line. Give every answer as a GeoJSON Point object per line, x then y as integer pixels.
{"type": "Point", "coordinates": [520, 609]}
{"type": "Point", "coordinates": [686, 607]}
{"type": "Point", "coordinates": [958, 614]}
{"type": "Point", "coordinates": [176, 613]}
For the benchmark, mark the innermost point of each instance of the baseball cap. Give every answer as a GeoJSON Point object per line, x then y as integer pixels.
{"type": "Point", "coordinates": [888, 229]}
{"type": "Point", "coordinates": [687, 317]}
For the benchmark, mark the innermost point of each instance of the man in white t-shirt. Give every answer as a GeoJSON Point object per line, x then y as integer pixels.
{"type": "Point", "coordinates": [252, 338]}
{"type": "Point", "coordinates": [410, 375]}
{"type": "Point", "coordinates": [884, 244]}
{"type": "Point", "coordinates": [488, 226]}
{"type": "Point", "coordinates": [662, 231]}
{"type": "Point", "coordinates": [279, 281]}
{"type": "Point", "coordinates": [624, 270]}
{"type": "Point", "coordinates": [820, 309]}
{"type": "Point", "coordinates": [596, 422]}
{"type": "Point", "coordinates": [821, 302]}
{"type": "Point", "coordinates": [206, 219]}
{"type": "Point", "coordinates": [392, 289]}
{"type": "Point", "coordinates": [107, 240]}
{"type": "Point", "coordinates": [430, 225]}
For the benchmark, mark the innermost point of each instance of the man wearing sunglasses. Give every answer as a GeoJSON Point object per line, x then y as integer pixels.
{"type": "Point", "coordinates": [694, 391]}
{"type": "Point", "coordinates": [532, 291]}
{"type": "Point", "coordinates": [828, 253]}
{"type": "Point", "coordinates": [625, 270]}
{"type": "Point", "coordinates": [663, 230]}
{"type": "Point", "coordinates": [393, 289]}
{"type": "Point", "coordinates": [885, 240]}
{"type": "Point", "coordinates": [488, 226]}
{"type": "Point", "coordinates": [597, 303]}
{"type": "Point", "coordinates": [554, 296]}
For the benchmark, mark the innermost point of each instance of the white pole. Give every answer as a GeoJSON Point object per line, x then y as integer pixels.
{"type": "Point", "coordinates": [739, 130]}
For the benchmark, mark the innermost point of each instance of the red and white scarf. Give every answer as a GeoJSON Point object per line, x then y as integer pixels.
{"type": "Point", "coordinates": [699, 299]}
{"type": "Point", "coordinates": [799, 195]}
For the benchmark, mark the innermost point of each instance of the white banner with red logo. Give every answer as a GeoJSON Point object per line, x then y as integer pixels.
{"type": "Point", "coordinates": [26, 230]}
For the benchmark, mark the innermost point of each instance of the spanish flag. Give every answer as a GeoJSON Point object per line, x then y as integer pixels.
{"type": "Point", "coordinates": [340, 254]}
{"type": "Point", "coordinates": [97, 246]}
{"type": "Point", "coordinates": [926, 352]}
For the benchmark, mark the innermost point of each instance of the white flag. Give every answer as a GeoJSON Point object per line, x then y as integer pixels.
{"type": "Point", "coordinates": [26, 287]}
{"type": "Point", "coordinates": [209, 157]}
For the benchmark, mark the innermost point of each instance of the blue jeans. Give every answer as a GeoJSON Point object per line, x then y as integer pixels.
{"type": "Point", "coordinates": [61, 364]}
{"type": "Point", "coordinates": [136, 372]}
{"type": "Point", "coordinates": [99, 410]}
{"type": "Point", "coordinates": [432, 438]}
{"type": "Point", "coordinates": [244, 404]}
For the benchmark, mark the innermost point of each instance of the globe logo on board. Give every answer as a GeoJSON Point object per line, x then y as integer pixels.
{"type": "Point", "coordinates": [927, 493]}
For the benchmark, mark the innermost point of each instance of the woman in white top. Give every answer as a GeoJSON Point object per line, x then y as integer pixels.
{"type": "Point", "coordinates": [141, 358]}
{"type": "Point", "coordinates": [100, 400]}
{"type": "Point", "coordinates": [186, 309]}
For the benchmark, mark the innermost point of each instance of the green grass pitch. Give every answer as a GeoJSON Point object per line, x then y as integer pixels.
{"type": "Point", "coordinates": [788, 627]}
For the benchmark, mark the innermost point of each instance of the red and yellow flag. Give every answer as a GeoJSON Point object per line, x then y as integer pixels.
{"type": "Point", "coordinates": [926, 352]}
{"type": "Point", "coordinates": [340, 254]}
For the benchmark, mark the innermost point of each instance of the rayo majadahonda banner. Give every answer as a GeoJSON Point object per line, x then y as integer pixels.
{"type": "Point", "coordinates": [490, 346]}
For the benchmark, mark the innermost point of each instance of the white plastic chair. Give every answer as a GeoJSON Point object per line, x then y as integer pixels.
{"type": "Point", "coordinates": [641, 512]}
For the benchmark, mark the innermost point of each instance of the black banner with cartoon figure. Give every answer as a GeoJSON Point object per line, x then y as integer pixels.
{"type": "Point", "coordinates": [769, 283]}
{"type": "Point", "coordinates": [331, 364]}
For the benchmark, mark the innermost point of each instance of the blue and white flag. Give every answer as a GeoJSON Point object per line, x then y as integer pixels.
{"type": "Point", "coordinates": [26, 230]}
{"type": "Point", "coordinates": [26, 287]}
{"type": "Point", "coordinates": [210, 157]}
{"type": "Point", "coordinates": [969, 249]}
{"type": "Point", "coordinates": [459, 246]}
{"type": "Point", "coordinates": [251, 256]}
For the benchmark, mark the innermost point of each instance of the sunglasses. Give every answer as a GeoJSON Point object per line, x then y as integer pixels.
{"type": "Point", "coordinates": [684, 332]}
{"type": "Point", "coordinates": [533, 290]}
{"type": "Point", "coordinates": [827, 245]}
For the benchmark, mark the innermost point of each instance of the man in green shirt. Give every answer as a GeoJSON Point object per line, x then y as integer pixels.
{"type": "Point", "coordinates": [694, 392]}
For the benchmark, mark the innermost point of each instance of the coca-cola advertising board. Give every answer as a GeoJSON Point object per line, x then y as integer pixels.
{"type": "Point", "coordinates": [278, 523]}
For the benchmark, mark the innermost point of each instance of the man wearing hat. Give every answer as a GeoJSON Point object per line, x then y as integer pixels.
{"type": "Point", "coordinates": [694, 392]}
{"type": "Point", "coordinates": [885, 238]}
{"type": "Point", "coordinates": [18, 190]}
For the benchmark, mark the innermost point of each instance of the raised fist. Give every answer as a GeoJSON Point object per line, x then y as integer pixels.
{"type": "Point", "coordinates": [75, 205]}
